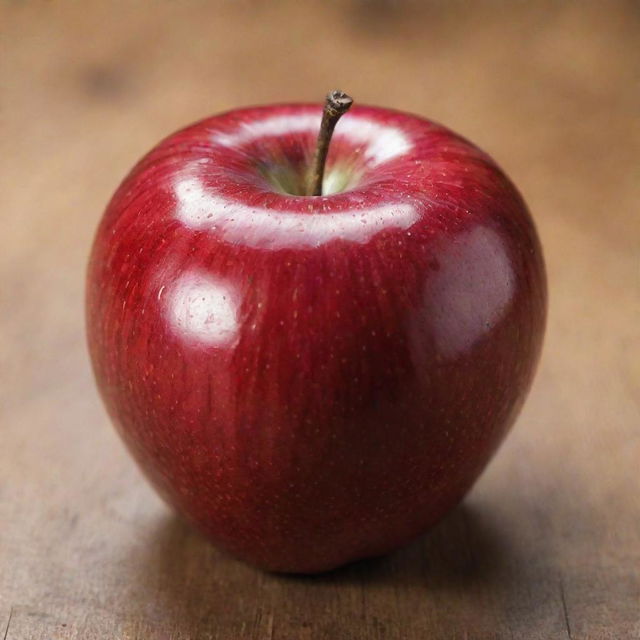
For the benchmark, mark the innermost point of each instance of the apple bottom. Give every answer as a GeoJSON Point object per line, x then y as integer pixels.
{"type": "Point", "coordinates": [315, 546]}
{"type": "Point", "coordinates": [387, 482]}
{"type": "Point", "coordinates": [321, 552]}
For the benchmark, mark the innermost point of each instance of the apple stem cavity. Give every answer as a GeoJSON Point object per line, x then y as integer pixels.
{"type": "Point", "coordinates": [335, 106]}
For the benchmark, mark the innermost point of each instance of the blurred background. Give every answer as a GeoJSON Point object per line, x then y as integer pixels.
{"type": "Point", "coordinates": [548, 543]}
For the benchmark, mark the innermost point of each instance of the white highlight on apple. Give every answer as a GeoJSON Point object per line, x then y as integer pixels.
{"type": "Point", "coordinates": [263, 228]}
{"type": "Point", "coordinates": [204, 310]}
{"type": "Point", "coordinates": [382, 142]}
{"type": "Point", "coordinates": [470, 292]}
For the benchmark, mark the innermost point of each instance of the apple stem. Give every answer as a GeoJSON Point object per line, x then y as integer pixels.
{"type": "Point", "coordinates": [335, 106]}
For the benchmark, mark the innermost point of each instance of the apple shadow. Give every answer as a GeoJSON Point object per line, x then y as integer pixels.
{"type": "Point", "coordinates": [188, 587]}
{"type": "Point", "coordinates": [462, 548]}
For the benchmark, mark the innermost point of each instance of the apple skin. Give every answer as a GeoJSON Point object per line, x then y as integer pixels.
{"type": "Point", "coordinates": [313, 380]}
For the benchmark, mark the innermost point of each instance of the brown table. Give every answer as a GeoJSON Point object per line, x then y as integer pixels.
{"type": "Point", "coordinates": [547, 545]}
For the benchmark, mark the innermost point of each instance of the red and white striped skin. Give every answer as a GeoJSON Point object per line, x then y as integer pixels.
{"type": "Point", "coordinates": [313, 380]}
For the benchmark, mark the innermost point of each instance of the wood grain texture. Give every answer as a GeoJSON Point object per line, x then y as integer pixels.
{"type": "Point", "coordinates": [548, 543]}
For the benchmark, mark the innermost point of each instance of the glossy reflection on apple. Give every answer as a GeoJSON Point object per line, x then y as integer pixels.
{"type": "Point", "coordinates": [314, 379]}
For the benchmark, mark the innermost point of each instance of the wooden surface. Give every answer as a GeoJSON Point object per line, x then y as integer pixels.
{"type": "Point", "coordinates": [548, 543]}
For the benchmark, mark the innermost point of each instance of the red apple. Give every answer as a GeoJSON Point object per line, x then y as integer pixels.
{"type": "Point", "coordinates": [314, 379]}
